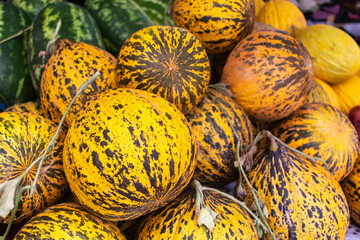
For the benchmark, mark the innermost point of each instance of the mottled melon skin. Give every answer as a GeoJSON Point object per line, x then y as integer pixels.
{"type": "Point", "coordinates": [129, 152]}
{"type": "Point", "coordinates": [335, 54]}
{"type": "Point", "coordinates": [219, 24]}
{"type": "Point", "coordinates": [351, 187]}
{"type": "Point", "coordinates": [178, 220]}
{"type": "Point", "coordinates": [270, 74]}
{"type": "Point", "coordinates": [215, 138]}
{"type": "Point", "coordinates": [282, 14]}
{"type": "Point", "coordinates": [303, 200]}
{"type": "Point", "coordinates": [347, 93]}
{"type": "Point", "coordinates": [322, 131]}
{"type": "Point", "coordinates": [31, 107]}
{"type": "Point", "coordinates": [322, 92]}
{"type": "Point", "coordinates": [23, 138]}
{"type": "Point", "coordinates": [68, 221]}
{"type": "Point", "coordinates": [167, 61]}
{"type": "Point", "coordinates": [70, 65]}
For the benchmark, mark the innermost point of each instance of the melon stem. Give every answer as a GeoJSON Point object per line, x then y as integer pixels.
{"type": "Point", "coordinates": [16, 34]}
{"type": "Point", "coordinates": [239, 164]}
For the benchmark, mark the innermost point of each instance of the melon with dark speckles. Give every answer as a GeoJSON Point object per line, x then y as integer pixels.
{"type": "Point", "coordinates": [219, 24]}
{"type": "Point", "coordinates": [322, 131]}
{"type": "Point", "coordinates": [211, 122]}
{"type": "Point", "coordinates": [30, 106]}
{"type": "Point", "coordinates": [351, 187]}
{"type": "Point", "coordinates": [304, 201]}
{"type": "Point", "coordinates": [178, 220]}
{"type": "Point", "coordinates": [167, 61]}
{"type": "Point", "coordinates": [68, 221]}
{"type": "Point", "coordinates": [322, 92]}
{"type": "Point", "coordinates": [70, 65]}
{"type": "Point", "coordinates": [23, 138]}
{"type": "Point", "coordinates": [270, 74]}
{"type": "Point", "coordinates": [128, 152]}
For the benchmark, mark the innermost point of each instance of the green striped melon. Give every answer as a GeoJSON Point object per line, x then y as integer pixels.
{"type": "Point", "coordinates": [128, 152]}
{"type": "Point", "coordinates": [211, 122]}
{"type": "Point", "coordinates": [157, 10]}
{"type": "Point", "coordinates": [15, 81]}
{"type": "Point", "coordinates": [303, 200]}
{"type": "Point", "coordinates": [23, 138]}
{"type": "Point", "coordinates": [178, 220]}
{"type": "Point", "coordinates": [68, 221]}
{"type": "Point", "coordinates": [322, 131]}
{"type": "Point", "coordinates": [76, 25]}
{"type": "Point", "coordinates": [32, 7]}
{"type": "Point", "coordinates": [167, 61]}
{"type": "Point", "coordinates": [117, 20]}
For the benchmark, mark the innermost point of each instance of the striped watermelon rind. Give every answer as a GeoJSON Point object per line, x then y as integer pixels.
{"type": "Point", "coordinates": [117, 20]}
{"type": "Point", "coordinates": [76, 25]}
{"type": "Point", "coordinates": [32, 7]}
{"type": "Point", "coordinates": [15, 82]}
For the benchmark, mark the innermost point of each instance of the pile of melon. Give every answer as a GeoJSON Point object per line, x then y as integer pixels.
{"type": "Point", "coordinates": [136, 117]}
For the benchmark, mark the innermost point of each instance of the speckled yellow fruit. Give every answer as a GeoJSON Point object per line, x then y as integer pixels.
{"type": "Point", "coordinates": [31, 107]}
{"type": "Point", "coordinates": [68, 221]}
{"type": "Point", "coordinates": [270, 74]}
{"type": "Point", "coordinates": [211, 122]}
{"type": "Point", "coordinates": [167, 61]}
{"type": "Point", "coordinates": [178, 220]}
{"type": "Point", "coordinates": [23, 138]}
{"type": "Point", "coordinates": [335, 54]}
{"type": "Point", "coordinates": [70, 65]}
{"type": "Point", "coordinates": [322, 92]}
{"type": "Point", "coordinates": [282, 14]}
{"type": "Point", "coordinates": [258, 5]}
{"type": "Point", "coordinates": [303, 200]}
{"type": "Point", "coordinates": [351, 187]}
{"type": "Point", "coordinates": [219, 24]}
{"type": "Point", "coordinates": [347, 93]}
{"type": "Point", "coordinates": [322, 131]}
{"type": "Point", "coordinates": [128, 152]}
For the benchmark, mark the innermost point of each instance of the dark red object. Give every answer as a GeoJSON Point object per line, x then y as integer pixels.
{"type": "Point", "coordinates": [354, 116]}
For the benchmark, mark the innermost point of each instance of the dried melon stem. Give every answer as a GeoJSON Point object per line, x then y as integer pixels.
{"type": "Point", "coordinates": [22, 31]}
{"type": "Point", "coordinates": [10, 202]}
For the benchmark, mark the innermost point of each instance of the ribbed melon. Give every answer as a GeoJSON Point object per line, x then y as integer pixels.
{"type": "Point", "coordinates": [71, 65]}
{"type": "Point", "coordinates": [270, 74]}
{"type": "Point", "coordinates": [322, 131]}
{"type": "Point", "coordinates": [68, 221]}
{"type": "Point", "coordinates": [31, 107]}
{"type": "Point", "coordinates": [23, 138]}
{"type": "Point", "coordinates": [128, 152]}
{"type": "Point", "coordinates": [347, 93]}
{"type": "Point", "coordinates": [334, 53]}
{"type": "Point", "coordinates": [282, 14]}
{"type": "Point", "coordinates": [210, 122]}
{"type": "Point", "coordinates": [351, 187]}
{"type": "Point", "coordinates": [167, 61]}
{"type": "Point", "coordinates": [178, 220]}
{"type": "Point", "coordinates": [303, 200]}
{"type": "Point", "coordinates": [219, 24]}
{"type": "Point", "coordinates": [322, 92]}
